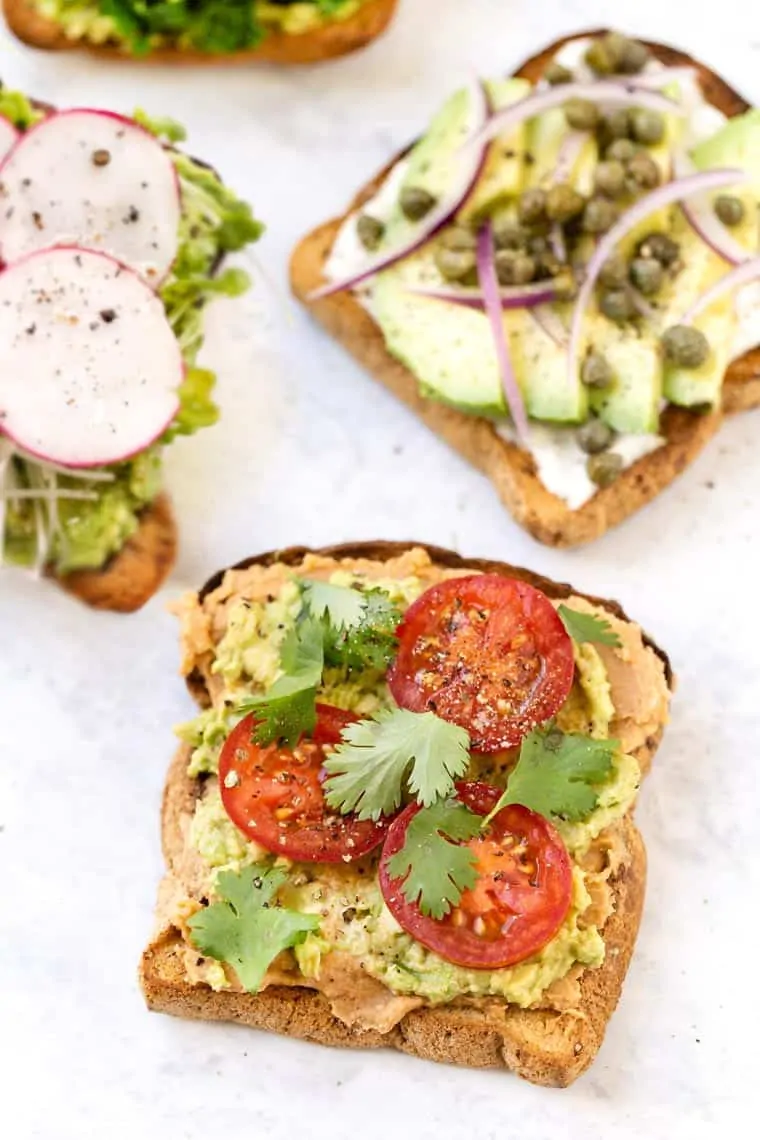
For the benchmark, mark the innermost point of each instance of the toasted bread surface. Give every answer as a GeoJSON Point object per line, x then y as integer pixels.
{"type": "Point", "coordinates": [510, 468]}
{"type": "Point", "coordinates": [131, 577]}
{"type": "Point", "coordinates": [545, 1046]}
{"type": "Point", "coordinates": [335, 38]}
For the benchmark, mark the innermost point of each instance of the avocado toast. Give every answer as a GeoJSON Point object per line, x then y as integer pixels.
{"type": "Point", "coordinates": [202, 31]}
{"type": "Point", "coordinates": [100, 338]}
{"type": "Point", "coordinates": [374, 952]}
{"type": "Point", "coordinates": [569, 401]}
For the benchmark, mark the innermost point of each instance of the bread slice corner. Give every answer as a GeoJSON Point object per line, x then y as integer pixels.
{"type": "Point", "coordinates": [336, 38]}
{"type": "Point", "coordinates": [510, 468]}
{"type": "Point", "coordinates": [131, 577]}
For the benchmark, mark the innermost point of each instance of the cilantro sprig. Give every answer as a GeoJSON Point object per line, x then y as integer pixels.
{"type": "Point", "coordinates": [395, 750]}
{"type": "Point", "coordinates": [557, 775]}
{"type": "Point", "coordinates": [246, 928]}
{"type": "Point", "coordinates": [588, 627]}
{"type": "Point", "coordinates": [338, 626]}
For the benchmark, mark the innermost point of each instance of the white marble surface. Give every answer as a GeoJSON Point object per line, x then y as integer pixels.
{"type": "Point", "coordinates": [310, 450]}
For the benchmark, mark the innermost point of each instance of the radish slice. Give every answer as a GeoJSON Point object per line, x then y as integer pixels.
{"type": "Point", "coordinates": [8, 137]}
{"type": "Point", "coordinates": [520, 297]}
{"type": "Point", "coordinates": [89, 365]}
{"type": "Point", "coordinates": [607, 91]}
{"type": "Point", "coordinates": [741, 275]}
{"type": "Point", "coordinates": [701, 216]}
{"type": "Point", "coordinates": [93, 179]}
{"type": "Point", "coordinates": [471, 164]}
{"type": "Point", "coordinates": [663, 196]}
{"type": "Point", "coordinates": [489, 283]}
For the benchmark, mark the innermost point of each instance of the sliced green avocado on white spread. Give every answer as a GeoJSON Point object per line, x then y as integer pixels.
{"type": "Point", "coordinates": [503, 173]}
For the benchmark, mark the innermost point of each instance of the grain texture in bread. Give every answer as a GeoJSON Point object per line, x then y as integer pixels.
{"type": "Point", "coordinates": [335, 38]}
{"type": "Point", "coordinates": [131, 577]}
{"type": "Point", "coordinates": [545, 1046]}
{"type": "Point", "coordinates": [510, 468]}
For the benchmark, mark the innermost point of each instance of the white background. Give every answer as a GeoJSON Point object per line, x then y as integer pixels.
{"type": "Point", "coordinates": [310, 450]}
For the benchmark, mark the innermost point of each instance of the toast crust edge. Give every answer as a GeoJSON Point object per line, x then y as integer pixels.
{"type": "Point", "coordinates": [512, 470]}
{"type": "Point", "coordinates": [332, 40]}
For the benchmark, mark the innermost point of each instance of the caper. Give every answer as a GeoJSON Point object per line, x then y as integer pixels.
{"type": "Point", "coordinates": [615, 124]}
{"type": "Point", "coordinates": [416, 202]}
{"type": "Point", "coordinates": [557, 73]}
{"type": "Point", "coordinates": [647, 275]}
{"type": "Point", "coordinates": [581, 114]}
{"type": "Point", "coordinates": [370, 231]}
{"type": "Point", "coordinates": [565, 285]}
{"type": "Point", "coordinates": [599, 216]}
{"type": "Point", "coordinates": [509, 235]}
{"type": "Point", "coordinates": [729, 209]}
{"type": "Point", "coordinates": [563, 202]}
{"type": "Point", "coordinates": [685, 346]}
{"type": "Point", "coordinates": [617, 305]}
{"type": "Point", "coordinates": [609, 178]}
{"type": "Point", "coordinates": [456, 264]}
{"type": "Point", "coordinates": [458, 237]}
{"type": "Point", "coordinates": [622, 150]}
{"type": "Point", "coordinates": [614, 272]}
{"type": "Point", "coordinates": [597, 371]}
{"type": "Point", "coordinates": [603, 469]}
{"type": "Point", "coordinates": [531, 207]}
{"type": "Point", "coordinates": [647, 126]}
{"type": "Point", "coordinates": [537, 245]}
{"type": "Point", "coordinates": [594, 436]}
{"type": "Point", "coordinates": [642, 172]}
{"type": "Point", "coordinates": [601, 57]}
{"type": "Point", "coordinates": [514, 268]}
{"type": "Point", "coordinates": [634, 56]}
{"type": "Point", "coordinates": [661, 247]}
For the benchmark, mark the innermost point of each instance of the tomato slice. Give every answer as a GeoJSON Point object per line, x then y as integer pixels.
{"type": "Point", "coordinates": [274, 795]}
{"type": "Point", "coordinates": [489, 653]}
{"type": "Point", "coordinates": [519, 902]}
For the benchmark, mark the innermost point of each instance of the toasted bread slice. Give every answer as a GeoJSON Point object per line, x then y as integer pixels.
{"type": "Point", "coordinates": [546, 1046]}
{"type": "Point", "coordinates": [131, 577]}
{"type": "Point", "coordinates": [510, 468]}
{"type": "Point", "coordinates": [338, 37]}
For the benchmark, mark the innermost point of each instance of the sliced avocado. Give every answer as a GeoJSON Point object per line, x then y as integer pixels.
{"type": "Point", "coordinates": [449, 348]}
{"type": "Point", "coordinates": [632, 403]}
{"type": "Point", "coordinates": [433, 162]}
{"type": "Point", "coordinates": [737, 144]}
{"type": "Point", "coordinates": [503, 171]}
{"type": "Point", "coordinates": [546, 134]}
{"type": "Point", "coordinates": [701, 387]}
{"type": "Point", "coordinates": [541, 369]}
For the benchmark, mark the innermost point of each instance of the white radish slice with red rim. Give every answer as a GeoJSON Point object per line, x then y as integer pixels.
{"type": "Point", "coordinates": [93, 179]}
{"type": "Point", "coordinates": [8, 137]}
{"type": "Point", "coordinates": [89, 365]}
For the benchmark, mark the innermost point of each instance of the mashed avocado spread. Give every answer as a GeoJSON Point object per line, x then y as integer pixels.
{"type": "Point", "coordinates": [215, 26]}
{"type": "Point", "coordinates": [83, 533]}
{"type": "Point", "coordinates": [353, 916]}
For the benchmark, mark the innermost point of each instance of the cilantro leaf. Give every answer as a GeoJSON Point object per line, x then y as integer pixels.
{"type": "Point", "coordinates": [588, 627]}
{"type": "Point", "coordinates": [245, 929]}
{"type": "Point", "coordinates": [288, 708]}
{"type": "Point", "coordinates": [436, 871]}
{"type": "Point", "coordinates": [367, 772]}
{"type": "Point", "coordinates": [556, 774]}
{"type": "Point", "coordinates": [360, 625]}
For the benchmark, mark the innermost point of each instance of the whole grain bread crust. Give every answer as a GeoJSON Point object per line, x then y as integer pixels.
{"type": "Point", "coordinates": [510, 468]}
{"type": "Point", "coordinates": [335, 38]}
{"type": "Point", "coordinates": [544, 1046]}
{"type": "Point", "coordinates": [131, 577]}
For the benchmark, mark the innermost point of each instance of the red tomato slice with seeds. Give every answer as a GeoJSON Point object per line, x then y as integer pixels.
{"type": "Point", "coordinates": [274, 795]}
{"type": "Point", "coordinates": [522, 896]}
{"type": "Point", "coordinates": [489, 653]}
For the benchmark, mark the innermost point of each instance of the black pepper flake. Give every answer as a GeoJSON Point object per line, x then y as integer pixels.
{"type": "Point", "coordinates": [31, 330]}
{"type": "Point", "coordinates": [26, 182]}
{"type": "Point", "coordinates": [133, 215]}
{"type": "Point", "coordinates": [101, 157]}
{"type": "Point", "coordinates": [108, 315]}
{"type": "Point", "coordinates": [37, 219]}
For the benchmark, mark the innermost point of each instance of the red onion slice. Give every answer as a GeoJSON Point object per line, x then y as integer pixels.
{"type": "Point", "coordinates": [741, 275]}
{"type": "Point", "coordinates": [666, 195]}
{"type": "Point", "coordinates": [519, 297]}
{"type": "Point", "coordinates": [471, 162]}
{"type": "Point", "coordinates": [701, 216]}
{"type": "Point", "coordinates": [656, 80]}
{"type": "Point", "coordinates": [569, 151]}
{"type": "Point", "coordinates": [620, 93]}
{"type": "Point", "coordinates": [489, 283]}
